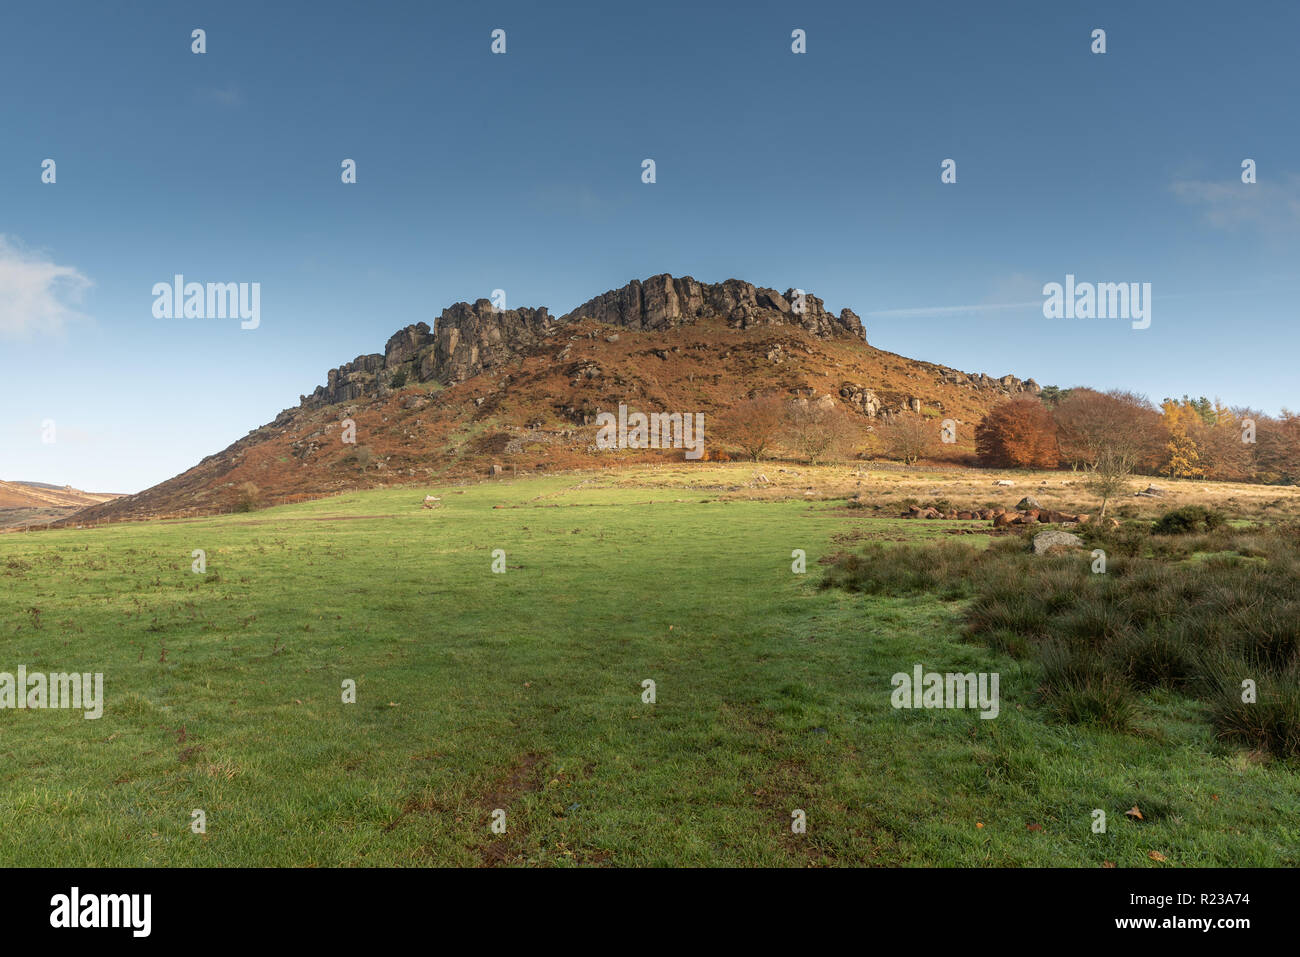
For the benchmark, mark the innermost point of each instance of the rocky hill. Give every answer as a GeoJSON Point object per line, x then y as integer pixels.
{"type": "Point", "coordinates": [520, 389]}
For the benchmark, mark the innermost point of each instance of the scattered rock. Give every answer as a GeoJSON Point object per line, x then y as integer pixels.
{"type": "Point", "coordinates": [1055, 541]}
{"type": "Point", "coordinates": [1028, 502]}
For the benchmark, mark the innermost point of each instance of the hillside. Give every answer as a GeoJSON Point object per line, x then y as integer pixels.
{"type": "Point", "coordinates": [520, 390]}
{"type": "Point", "coordinates": [39, 503]}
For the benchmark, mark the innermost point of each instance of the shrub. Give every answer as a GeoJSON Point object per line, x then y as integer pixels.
{"type": "Point", "coordinates": [1188, 518]}
{"type": "Point", "coordinates": [1104, 702]}
{"type": "Point", "coordinates": [1271, 722]}
{"type": "Point", "coordinates": [363, 456]}
{"type": "Point", "coordinates": [247, 497]}
{"type": "Point", "coordinates": [1152, 660]}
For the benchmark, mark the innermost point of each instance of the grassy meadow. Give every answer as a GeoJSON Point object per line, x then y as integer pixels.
{"type": "Point", "coordinates": [522, 691]}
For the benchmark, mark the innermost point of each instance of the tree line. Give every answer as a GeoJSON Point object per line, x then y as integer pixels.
{"type": "Point", "coordinates": [1101, 433]}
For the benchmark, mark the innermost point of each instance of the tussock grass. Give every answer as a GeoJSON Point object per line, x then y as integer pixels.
{"type": "Point", "coordinates": [1162, 616]}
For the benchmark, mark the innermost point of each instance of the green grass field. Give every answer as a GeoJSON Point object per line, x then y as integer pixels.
{"type": "Point", "coordinates": [523, 691]}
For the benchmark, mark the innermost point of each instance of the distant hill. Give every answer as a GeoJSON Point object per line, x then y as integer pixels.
{"type": "Point", "coordinates": [40, 503]}
{"type": "Point", "coordinates": [44, 495]}
{"type": "Point", "coordinates": [520, 389]}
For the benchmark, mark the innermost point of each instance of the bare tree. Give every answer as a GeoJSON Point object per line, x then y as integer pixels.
{"type": "Point", "coordinates": [907, 436]}
{"type": "Point", "coordinates": [1108, 476]}
{"type": "Point", "coordinates": [818, 431]}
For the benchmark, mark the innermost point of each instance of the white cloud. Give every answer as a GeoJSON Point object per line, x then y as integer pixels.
{"type": "Point", "coordinates": [37, 296]}
{"type": "Point", "coordinates": [1269, 204]}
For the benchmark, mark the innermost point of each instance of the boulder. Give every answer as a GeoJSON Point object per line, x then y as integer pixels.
{"type": "Point", "coordinates": [1004, 482]}
{"type": "Point", "coordinates": [1028, 502]}
{"type": "Point", "coordinates": [1055, 541]}
{"type": "Point", "coordinates": [1004, 518]}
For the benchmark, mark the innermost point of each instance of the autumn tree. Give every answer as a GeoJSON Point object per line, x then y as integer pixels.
{"type": "Point", "coordinates": [906, 436]}
{"type": "Point", "coordinates": [1017, 433]}
{"type": "Point", "coordinates": [1218, 438]}
{"type": "Point", "coordinates": [755, 424]}
{"type": "Point", "coordinates": [1277, 448]}
{"type": "Point", "coordinates": [818, 431]}
{"type": "Point", "coordinates": [1120, 426]}
{"type": "Point", "coordinates": [1182, 454]}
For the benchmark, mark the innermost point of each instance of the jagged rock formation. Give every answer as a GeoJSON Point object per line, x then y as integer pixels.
{"type": "Point", "coordinates": [469, 339]}
{"type": "Point", "coordinates": [661, 302]}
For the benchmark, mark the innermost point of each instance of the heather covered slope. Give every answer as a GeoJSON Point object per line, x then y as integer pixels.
{"type": "Point", "coordinates": [520, 389]}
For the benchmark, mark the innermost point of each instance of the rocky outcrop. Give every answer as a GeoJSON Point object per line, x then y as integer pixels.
{"type": "Point", "coordinates": [663, 301]}
{"type": "Point", "coordinates": [471, 339]}
{"type": "Point", "coordinates": [354, 379]}
{"type": "Point", "coordinates": [861, 398]}
{"type": "Point", "coordinates": [468, 339]}
{"type": "Point", "coordinates": [406, 345]}
{"type": "Point", "coordinates": [1008, 384]}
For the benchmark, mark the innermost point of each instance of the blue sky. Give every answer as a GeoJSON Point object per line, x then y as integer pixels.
{"type": "Point", "coordinates": [523, 172]}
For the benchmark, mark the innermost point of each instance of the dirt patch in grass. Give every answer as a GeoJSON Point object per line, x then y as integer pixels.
{"type": "Point", "coordinates": [525, 776]}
